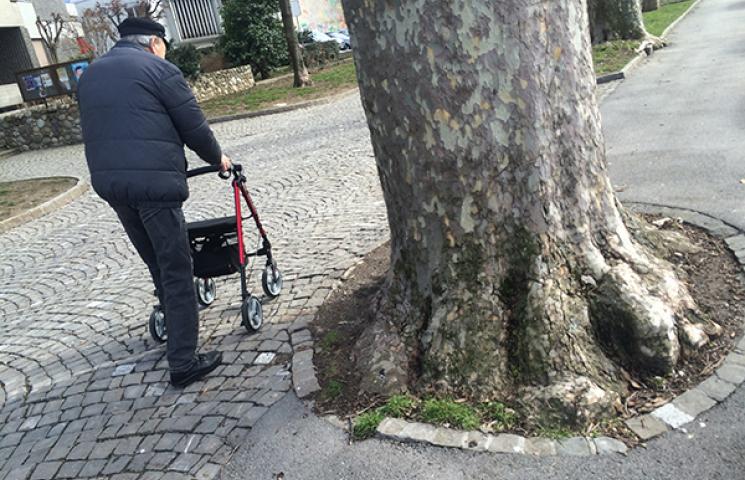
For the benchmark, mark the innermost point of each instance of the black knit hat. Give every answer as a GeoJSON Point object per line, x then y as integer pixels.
{"type": "Point", "coordinates": [142, 26]}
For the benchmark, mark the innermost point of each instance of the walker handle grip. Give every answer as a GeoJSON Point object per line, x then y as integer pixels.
{"type": "Point", "coordinates": [214, 169]}
{"type": "Point", "coordinates": [202, 170]}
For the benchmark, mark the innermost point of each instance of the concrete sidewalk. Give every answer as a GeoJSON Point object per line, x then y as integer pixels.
{"type": "Point", "coordinates": [674, 134]}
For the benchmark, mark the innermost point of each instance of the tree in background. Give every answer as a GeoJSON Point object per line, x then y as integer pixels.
{"type": "Point", "coordinates": [117, 10]}
{"type": "Point", "coordinates": [254, 35]}
{"type": "Point", "coordinates": [99, 31]}
{"type": "Point", "coordinates": [301, 76]}
{"type": "Point", "coordinates": [152, 9]}
{"type": "Point", "coordinates": [100, 22]}
{"type": "Point", "coordinates": [649, 5]}
{"type": "Point", "coordinates": [616, 19]}
{"type": "Point", "coordinates": [50, 31]}
{"type": "Point", "coordinates": [513, 271]}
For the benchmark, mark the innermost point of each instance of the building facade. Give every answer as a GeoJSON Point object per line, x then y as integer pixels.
{"type": "Point", "coordinates": [16, 51]}
{"type": "Point", "coordinates": [21, 45]}
{"type": "Point", "coordinates": [186, 21]}
{"type": "Point", "coordinates": [194, 21]}
{"type": "Point", "coordinates": [321, 15]}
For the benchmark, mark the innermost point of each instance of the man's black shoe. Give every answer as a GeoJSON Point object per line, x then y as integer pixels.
{"type": "Point", "coordinates": [203, 364]}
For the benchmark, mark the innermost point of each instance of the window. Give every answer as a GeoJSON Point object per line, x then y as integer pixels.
{"type": "Point", "coordinates": [195, 18]}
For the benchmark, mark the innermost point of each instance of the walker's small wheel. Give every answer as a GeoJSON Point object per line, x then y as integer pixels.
{"type": "Point", "coordinates": [252, 314]}
{"type": "Point", "coordinates": [206, 290]}
{"type": "Point", "coordinates": [158, 325]}
{"type": "Point", "coordinates": [271, 280]}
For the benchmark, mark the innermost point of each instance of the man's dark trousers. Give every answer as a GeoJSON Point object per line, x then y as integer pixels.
{"type": "Point", "coordinates": [160, 237]}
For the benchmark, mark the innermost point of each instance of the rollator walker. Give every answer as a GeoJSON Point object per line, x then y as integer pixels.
{"type": "Point", "coordinates": [218, 249]}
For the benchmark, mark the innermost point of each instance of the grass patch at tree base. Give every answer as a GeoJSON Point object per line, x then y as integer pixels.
{"type": "Point", "coordinates": [612, 56]}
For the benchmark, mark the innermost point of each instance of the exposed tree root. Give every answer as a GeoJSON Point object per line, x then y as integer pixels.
{"type": "Point", "coordinates": [564, 339]}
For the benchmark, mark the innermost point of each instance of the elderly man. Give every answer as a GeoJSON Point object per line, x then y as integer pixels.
{"type": "Point", "coordinates": [137, 112]}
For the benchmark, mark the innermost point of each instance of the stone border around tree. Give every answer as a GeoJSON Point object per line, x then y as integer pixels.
{"type": "Point", "coordinates": [672, 416]}
{"type": "Point", "coordinates": [49, 206]}
{"type": "Point", "coordinates": [634, 62]}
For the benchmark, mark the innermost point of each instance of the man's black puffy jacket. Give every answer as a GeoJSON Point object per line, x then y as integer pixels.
{"type": "Point", "coordinates": [136, 113]}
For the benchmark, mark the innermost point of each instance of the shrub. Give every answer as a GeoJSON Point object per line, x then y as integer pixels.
{"type": "Point", "coordinates": [213, 60]}
{"type": "Point", "coordinates": [320, 54]}
{"type": "Point", "coordinates": [253, 35]}
{"type": "Point", "coordinates": [187, 58]}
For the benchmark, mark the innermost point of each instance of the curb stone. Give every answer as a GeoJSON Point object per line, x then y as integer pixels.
{"type": "Point", "coordinates": [671, 416]}
{"type": "Point", "coordinates": [47, 207]}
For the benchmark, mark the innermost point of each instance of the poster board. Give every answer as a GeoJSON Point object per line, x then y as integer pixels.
{"type": "Point", "coordinates": [51, 80]}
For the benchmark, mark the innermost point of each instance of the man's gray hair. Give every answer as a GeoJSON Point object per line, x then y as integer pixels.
{"type": "Point", "coordinates": [143, 40]}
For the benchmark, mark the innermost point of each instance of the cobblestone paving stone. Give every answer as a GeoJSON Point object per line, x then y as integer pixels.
{"type": "Point", "coordinates": [84, 389]}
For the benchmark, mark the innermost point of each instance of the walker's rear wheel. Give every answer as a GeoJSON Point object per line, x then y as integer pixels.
{"type": "Point", "coordinates": [206, 290]}
{"type": "Point", "coordinates": [252, 314]}
{"type": "Point", "coordinates": [271, 280]}
{"type": "Point", "coordinates": [158, 325]}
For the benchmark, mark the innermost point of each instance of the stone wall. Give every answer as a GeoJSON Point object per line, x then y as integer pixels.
{"type": "Point", "coordinates": [223, 82]}
{"type": "Point", "coordinates": [37, 127]}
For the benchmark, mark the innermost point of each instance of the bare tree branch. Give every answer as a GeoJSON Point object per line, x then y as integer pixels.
{"type": "Point", "coordinates": [50, 31]}
{"type": "Point", "coordinates": [98, 29]}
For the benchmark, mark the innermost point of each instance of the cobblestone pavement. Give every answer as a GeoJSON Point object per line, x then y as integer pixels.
{"type": "Point", "coordinates": [84, 389]}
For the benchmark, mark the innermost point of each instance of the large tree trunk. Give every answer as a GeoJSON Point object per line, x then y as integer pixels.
{"type": "Point", "coordinates": [302, 78]}
{"type": "Point", "coordinates": [511, 268]}
{"type": "Point", "coordinates": [615, 19]}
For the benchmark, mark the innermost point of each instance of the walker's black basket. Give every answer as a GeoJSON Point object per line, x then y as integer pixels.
{"type": "Point", "coordinates": [215, 260]}
{"type": "Point", "coordinates": [214, 247]}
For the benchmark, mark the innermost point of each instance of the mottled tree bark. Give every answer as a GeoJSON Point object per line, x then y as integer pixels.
{"type": "Point", "coordinates": [511, 268]}
{"type": "Point", "coordinates": [615, 19]}
{"type": "Point", "coordinates": [302, 78]}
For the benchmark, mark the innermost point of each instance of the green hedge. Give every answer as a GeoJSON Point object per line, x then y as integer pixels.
{"type": "Point", "coordinates": [187, 58]}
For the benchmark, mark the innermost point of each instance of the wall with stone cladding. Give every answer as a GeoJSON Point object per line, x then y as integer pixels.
{"type": "Point", "coordinates": [37, 127]}
{"type": "Point", "coordinates": [223, 82]}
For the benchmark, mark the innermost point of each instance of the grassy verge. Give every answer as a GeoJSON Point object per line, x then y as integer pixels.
{"type": "Point", "coordinates": [16, 197]}
{"type": "Point", "coordinates": [658, 20]}
{"type": "Point", "coordinates": [608, 57]}
{"type": "Point", "coordinates": [613, 56]}
{"type": "Point", "coordinates": [326, 82]}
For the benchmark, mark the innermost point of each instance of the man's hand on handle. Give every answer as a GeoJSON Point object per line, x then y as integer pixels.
{"type": "Point", "coordinates": [225, 163]}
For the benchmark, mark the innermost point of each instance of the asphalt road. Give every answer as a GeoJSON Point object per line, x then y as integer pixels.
{"type": "Point", "coordinates": [675, 130]}
{"type": "Point", "coordinates": [674, 134]}
{"type": "Point", "coordinates": [292, 440]}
